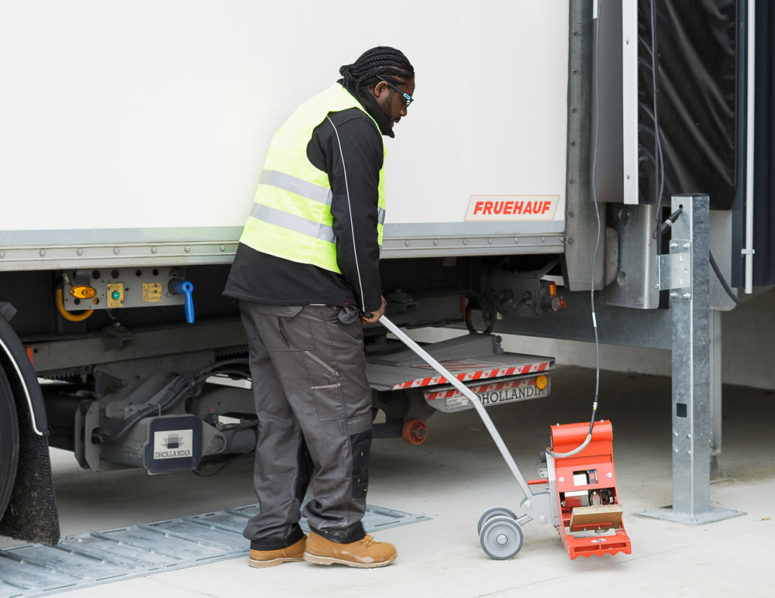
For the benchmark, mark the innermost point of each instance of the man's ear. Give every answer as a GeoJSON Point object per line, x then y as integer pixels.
{"type": "Point", "coordinates": [380, 88]}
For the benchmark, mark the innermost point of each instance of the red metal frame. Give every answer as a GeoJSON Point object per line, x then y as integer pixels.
{"type": "Point", "coordinates": [594, 473]}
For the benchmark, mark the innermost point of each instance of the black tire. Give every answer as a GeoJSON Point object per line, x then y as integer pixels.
{"type": "Point", "coordinates": [9, 442]}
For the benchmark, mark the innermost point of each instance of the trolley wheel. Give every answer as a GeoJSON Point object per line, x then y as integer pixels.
{"type": "Point", "coordinates": [493, 512]}
{"type": "Point", "coordinates": [414, 431]}
{"type": "Point", "coordinates": [501, 537]}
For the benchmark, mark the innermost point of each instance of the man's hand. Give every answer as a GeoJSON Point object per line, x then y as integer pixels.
{"type": "Point", "coordinates": [373, 317]}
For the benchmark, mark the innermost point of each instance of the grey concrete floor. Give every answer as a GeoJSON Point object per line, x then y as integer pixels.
{"type": "Point", "coordinates": [455, 476]}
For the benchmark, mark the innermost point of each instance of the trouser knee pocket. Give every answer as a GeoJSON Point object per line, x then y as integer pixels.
{"type": "Point", "coordinates": [325, 389]}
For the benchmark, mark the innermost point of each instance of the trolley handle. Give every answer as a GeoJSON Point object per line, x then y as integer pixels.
{"type": "Point", "coordinates": [452, 379]}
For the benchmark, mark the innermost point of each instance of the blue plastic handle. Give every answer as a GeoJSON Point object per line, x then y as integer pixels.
{"type": "Point", "coordinates": [186, 288]}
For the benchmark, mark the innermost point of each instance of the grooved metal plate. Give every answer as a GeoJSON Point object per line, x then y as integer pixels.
{"type": "Point", "coordinates": [143, 549]}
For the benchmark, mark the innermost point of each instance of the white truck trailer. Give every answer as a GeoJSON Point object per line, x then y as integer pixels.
{"type": "Point", "coordinates": [132, 141]}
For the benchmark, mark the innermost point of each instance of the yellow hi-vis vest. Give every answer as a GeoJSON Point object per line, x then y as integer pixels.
{"type": "Point", "coordinates": [291, 216]}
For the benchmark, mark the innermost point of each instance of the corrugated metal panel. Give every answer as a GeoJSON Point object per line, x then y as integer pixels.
{"type": "Point", "coordinates": [143, 549]}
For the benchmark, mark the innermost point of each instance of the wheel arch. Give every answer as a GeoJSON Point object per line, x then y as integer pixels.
{"type": "Point", "coordinates": [21, 373]}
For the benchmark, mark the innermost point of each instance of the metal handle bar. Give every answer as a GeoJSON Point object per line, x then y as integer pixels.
{"type": "Point", "coordinates": [471, 397]}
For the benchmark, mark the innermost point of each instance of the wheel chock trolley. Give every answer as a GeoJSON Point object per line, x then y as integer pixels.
{"type": "Point", "coordinates": [577, 495]}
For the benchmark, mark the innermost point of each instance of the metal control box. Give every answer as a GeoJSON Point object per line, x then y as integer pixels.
{"type": "Point", "coordinates": [113, 288]}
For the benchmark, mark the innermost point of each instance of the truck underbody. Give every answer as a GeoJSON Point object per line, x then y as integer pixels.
{"type": "Point", "coordinates": [125, 356]}
{"type": "Point", "coordinates": [115, 377]}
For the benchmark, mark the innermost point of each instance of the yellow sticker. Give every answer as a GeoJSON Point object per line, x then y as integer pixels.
{"type": "Point", "coordinates": [152, 292]}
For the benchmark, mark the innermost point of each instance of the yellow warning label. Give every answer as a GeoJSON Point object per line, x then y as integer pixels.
{"type": "Point", "coordinates": [152, 292]}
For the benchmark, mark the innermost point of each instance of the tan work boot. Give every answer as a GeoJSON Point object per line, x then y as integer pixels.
{"type": "Point", "coordinates": [363, 553]}
{"type": "Point", "coordinates": [270, 558]}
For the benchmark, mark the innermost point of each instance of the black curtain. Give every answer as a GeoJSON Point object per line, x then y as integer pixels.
{"type": "Point", "coordinates": [696, 97]}
{"type": "Point", "coordinates": [764, 146]}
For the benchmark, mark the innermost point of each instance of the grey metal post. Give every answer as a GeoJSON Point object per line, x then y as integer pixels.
{"type": "Point", "coordinates": [715, 386]}
{"type": "Point", "coordinates": [690, 302]}
{"type": "Point", "coordinates": [686, 272]}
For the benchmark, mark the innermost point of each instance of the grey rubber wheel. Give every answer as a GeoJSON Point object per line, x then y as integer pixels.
{"type": "Point", "coordinates": [501, 537]}
{"type": "Point", "coordinates": [493, 512]}
{"type": "Point", "coordinates": [9, 442]}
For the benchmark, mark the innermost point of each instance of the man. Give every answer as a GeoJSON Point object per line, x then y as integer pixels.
{"type": "Point", "coordinates": [306, 273]}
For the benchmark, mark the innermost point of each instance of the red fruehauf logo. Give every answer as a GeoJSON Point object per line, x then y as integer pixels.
{"type": "Point", "coordinates": [512, 207]}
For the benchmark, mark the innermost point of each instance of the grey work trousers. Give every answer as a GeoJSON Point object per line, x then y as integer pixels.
{"type": "Point", "coordinates": [313, 404]}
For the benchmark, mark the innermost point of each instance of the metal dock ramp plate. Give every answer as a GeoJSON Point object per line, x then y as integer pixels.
{"type": "Point", "coordinates": [143, 549]}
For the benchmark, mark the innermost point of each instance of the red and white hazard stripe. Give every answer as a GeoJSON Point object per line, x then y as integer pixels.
{"type": "Point", "coordinates": [518, 370]}
{"type": "Point", "coordinates": [453, 392]}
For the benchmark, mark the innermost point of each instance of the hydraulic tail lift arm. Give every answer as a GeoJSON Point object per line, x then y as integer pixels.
{"type": "Point", "coordinates": [578, 496]}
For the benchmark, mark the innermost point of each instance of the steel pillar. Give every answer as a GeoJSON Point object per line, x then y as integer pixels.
{"type": "Point", "coordinates": [715, 386]}
{"type": "Point", "coordinates": [686, 273]}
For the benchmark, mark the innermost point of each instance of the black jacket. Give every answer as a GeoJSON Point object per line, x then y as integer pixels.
{"type": "Point", "coordinates": [263, 278]}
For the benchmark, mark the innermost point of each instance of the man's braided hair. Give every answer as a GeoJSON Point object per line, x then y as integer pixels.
{"type": "Point", "coordinates": [382, 62]}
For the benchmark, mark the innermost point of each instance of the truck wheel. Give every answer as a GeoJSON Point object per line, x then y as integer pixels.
{"type": "Point", "coordinates": [9, 442]}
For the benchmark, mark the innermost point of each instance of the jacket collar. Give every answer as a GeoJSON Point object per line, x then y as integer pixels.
{"type": "Point", "coordinates": [370, 105]}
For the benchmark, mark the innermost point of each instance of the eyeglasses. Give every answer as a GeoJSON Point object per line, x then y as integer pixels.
{"type": "Point", "coordinates": [407, 98]}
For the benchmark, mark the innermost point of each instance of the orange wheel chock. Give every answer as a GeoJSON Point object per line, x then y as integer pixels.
{"type": "Point", "coordinates": [415, 431]}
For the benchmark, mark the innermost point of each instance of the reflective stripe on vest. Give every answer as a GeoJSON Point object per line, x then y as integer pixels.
{"type": "Point", "coordinates": [297, 186]}
{"type": "Point", "coordinates": [291, 217]}
{"type": "Point", "coordinates": [293, 222]}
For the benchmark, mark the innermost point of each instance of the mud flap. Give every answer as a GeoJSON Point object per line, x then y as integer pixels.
{"type": "Point", "coordinates": [31, 514]}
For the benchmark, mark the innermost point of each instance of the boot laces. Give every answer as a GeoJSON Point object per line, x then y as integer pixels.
{"type": "Point", "coordinates": [366, 541]}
